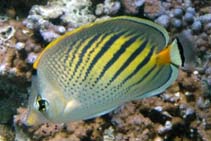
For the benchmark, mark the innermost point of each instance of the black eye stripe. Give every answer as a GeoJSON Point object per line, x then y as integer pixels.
{"type": "Point", "coordinates": [42, 104]}
{"type": "Point", "coordinates": [34, 72]}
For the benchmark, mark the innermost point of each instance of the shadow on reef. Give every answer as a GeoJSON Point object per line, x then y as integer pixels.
{"type": "Point", "coordinates": [180, 129]}
{"type": "Point", "coordinates": [19, 7]}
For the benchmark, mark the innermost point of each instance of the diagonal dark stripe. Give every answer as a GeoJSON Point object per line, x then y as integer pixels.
{"type": "Point", "coordinates": [146, 24]}
{"type": "Point", "coordinates": [129, 60]}
{"type": "Point", "coordinates": [146, 75]}
{"type": "Point", "coordinates": [157, 74]}
{"type": "Point", "coordinates": [71, 45]}
{"type": "Point", "coordinates": [70, 49]}
{"type": "Point", "coordinates": [115, 57]}
{"type": "Point", "coordinates": [90, 53]}
{"type": "Point", "coordinates": [138, 68]}
{"type": "Point", "coordinates": [82, 54]}
{"type": "Point", "coordinates": [102, 51]}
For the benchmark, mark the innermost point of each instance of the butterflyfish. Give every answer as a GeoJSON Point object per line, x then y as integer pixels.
{"type": "Point", "coordinates": [91, 70]}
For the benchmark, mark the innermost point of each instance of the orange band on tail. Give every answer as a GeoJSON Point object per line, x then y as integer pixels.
{"type": "Point", "coordinates": [164, 56]}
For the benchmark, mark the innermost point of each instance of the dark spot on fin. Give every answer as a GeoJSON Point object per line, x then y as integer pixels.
{"type": "Point", "coordinates": [34, 72]}
{"type": "Point", "coordinates": [181, 51]}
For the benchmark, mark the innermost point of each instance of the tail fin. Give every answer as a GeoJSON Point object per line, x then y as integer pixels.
{"type": "Point", "coordinates": [172, 54]}
{"type": "Point", "coordinates": [176, 54]}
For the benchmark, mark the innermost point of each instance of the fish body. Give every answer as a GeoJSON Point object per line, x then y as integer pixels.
{"type": "Point", "coordinates": [93, 69]}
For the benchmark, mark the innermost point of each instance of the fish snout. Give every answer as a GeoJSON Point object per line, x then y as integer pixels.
{"type": "Point", "coordinates": [33, 118]}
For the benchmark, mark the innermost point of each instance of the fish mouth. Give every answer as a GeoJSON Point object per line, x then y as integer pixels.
{"type": "Point", "coordinates": [33, 118]}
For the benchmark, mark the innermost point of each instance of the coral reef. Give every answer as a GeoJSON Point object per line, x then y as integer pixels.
{"type": "Point", "coordinates": [109, 7]}
{"type": "Point", "coordinates": [180, 113]}
{"type": "Point", "coordinates": [58, 16]}
{"type": "Point", "coordinates": [72, 13]}
{"type": "Point", "coordinates": [18, 8]}
{"type": "Point", "coordinates": [153, 8]}
{"type": "Point", "coordinates": [6, 134]}
{"type": "Point", "coordinates": [132, 6]}
{"type": "Point", "coordinates": [81, 130]}
{"type": "Point", "coordinates": [15, 67]}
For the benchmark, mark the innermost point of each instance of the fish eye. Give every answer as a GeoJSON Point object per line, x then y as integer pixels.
{"type": "Point", "coordinates": [42, 104]}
